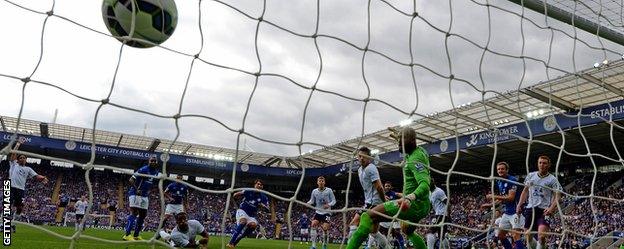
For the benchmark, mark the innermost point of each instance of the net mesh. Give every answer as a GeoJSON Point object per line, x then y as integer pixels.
{"type": "Point", "coordinates": [421, 39]}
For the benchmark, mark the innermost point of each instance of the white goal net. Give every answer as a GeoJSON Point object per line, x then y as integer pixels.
{"type": "Point", "coordinates": [480, 81]}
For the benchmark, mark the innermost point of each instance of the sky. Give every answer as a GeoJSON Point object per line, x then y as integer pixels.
{"type": "Point", "coordinates": [153, 80]}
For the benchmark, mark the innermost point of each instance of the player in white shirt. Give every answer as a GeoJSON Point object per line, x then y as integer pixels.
{"type": "Point", "coordinates": [18, 174]}
{"type": "Point", "coordinates": [438, 202]}
{"type": "Point", "coordinates": [81, 209]}
{"type": "Point", "coordinates": [185, 232]}
{"type": "Point", "coordinates": [543, 191]}
{"type": "Point", "coordinates": [494, 231]}
{"type": "Point", "coordinates": [373, 195]}
{"type": "Point", "coordinates": [323, 199]}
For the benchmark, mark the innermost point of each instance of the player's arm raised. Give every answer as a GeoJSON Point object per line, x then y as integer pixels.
{"type": "Point", "coordinates": [13, 155]}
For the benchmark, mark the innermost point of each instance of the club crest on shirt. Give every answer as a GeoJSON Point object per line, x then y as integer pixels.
{"type": "Point", "coordinates": [419, 166]}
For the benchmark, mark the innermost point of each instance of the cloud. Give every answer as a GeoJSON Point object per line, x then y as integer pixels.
{"type": "Point", "coordinates": [83, 62]}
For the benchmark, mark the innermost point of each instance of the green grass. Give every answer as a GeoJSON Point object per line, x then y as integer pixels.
{"type": "Point", "coordinates": [33, 238]}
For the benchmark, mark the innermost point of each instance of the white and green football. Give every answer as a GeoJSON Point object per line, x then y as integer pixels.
{"type": "Point", "coordinates": [155, 20]}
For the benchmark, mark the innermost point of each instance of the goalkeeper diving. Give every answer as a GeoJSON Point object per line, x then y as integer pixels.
{"type": "Point", "coordinates": [415, 203]}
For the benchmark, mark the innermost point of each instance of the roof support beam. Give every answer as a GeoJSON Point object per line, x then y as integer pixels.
{"type": "Point", "coordinates": [324, 159]}
{"type": "Point", "coordinates": [266, 162]}
{"type": "Point", "coordinates": [277, 160]}
{"type": "Point", "coordinates": [341, 155]}
{"type": "Point", "coordinates": [385, 138]}
{"type": "Point", "coordinates": [346, 148]}
{"type": "Point", "coordinates": [119, 141]}
{"type": "Point", "coordinates": [154, 145]}
{"type": "Point", "coordinates": [548, 98]}
{"type": "Point", "coordinates": [245, 157]}
{"type": "Point", "coordinates": [469, 119]}
{"type": "Point", "coordinates": [578, 21]}
{"type": "Point", "coordinates": [295, 163]}
{"type": "Point", "coordinates": [444, 129]}
{"type": "Point", "coordinates": [188, 147]}
{"type": "Point", "coordinates": [339, 151]}
{"type": "Point", "coordinates": [307, 158]}
{"type": "Point", "coordinates": [424, 137]}
{"type": "Point", "coordinates": [604, 85]}
{"type": "Point", "coordinates": [44, 131]}
{"type": "Point", "coordinates": [369, 145]}
{"type": "Point", "coordinates": [503, 109]}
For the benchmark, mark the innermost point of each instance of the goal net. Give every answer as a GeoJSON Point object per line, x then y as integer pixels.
{"type": "Point", "coordinates": [302, 85]}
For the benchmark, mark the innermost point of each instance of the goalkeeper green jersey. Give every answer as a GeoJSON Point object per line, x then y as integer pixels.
{"type": "Point", "coordinates": [415, 173]}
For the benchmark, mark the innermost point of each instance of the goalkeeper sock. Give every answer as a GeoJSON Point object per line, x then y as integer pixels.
{"type": "Point", "coordinates": [365, 227]}
{"type": "Point", "coordinates": [130, 224]}
{"type": "Point", "coordinates": [416, 240]}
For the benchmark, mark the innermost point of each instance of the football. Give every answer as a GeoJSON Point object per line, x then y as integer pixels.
{"type": "Point", "coordinates": [140, 23]}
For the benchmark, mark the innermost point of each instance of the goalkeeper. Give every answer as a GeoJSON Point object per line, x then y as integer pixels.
{"type": "Point", "coordinates": [415, 202]}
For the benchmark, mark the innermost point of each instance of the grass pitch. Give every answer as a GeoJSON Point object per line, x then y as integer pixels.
{"type": "Point", "coordinates": [33, 238]}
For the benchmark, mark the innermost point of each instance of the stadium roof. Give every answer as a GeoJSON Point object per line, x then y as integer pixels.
{"type": "Point", "coordinates": [60, 131]}
{"type": "Point", "coordinates": [593, 86]}
{"type": "Point", "coordinates": [601, 84]}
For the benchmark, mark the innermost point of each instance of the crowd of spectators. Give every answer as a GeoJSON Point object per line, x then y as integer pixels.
{"type": "Point", "coordinates": [465, 199]}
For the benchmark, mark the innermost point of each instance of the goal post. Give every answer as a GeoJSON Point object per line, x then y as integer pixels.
{"type": "Point", "coordinates": [572, 19]}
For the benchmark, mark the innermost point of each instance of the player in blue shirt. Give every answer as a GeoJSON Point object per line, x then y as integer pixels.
{"type": "Point", "coordinates": [509, 199]}
{"type": "Point", "coordinates": [137, 198]}
{"type": "Point", "coordinates": [395, 226]}
{"type": "Point", "coordinates": [304, 224]}
{"type": "Point", "coordinates": [246, 221]}
{"type": "Point", "coordinates": [176, 198]}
